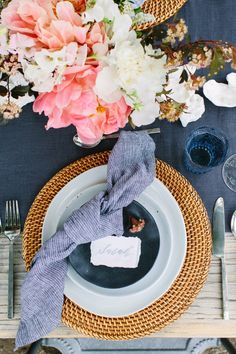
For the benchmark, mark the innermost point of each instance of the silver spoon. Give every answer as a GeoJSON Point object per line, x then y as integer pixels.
{"type": "Point", "coordinates": [233, 224]}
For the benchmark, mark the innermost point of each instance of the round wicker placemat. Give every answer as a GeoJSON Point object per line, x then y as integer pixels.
{"type": "Point", "coordinates": [161, 10]}
{"type": "Point", "coordinates": [185, 288]}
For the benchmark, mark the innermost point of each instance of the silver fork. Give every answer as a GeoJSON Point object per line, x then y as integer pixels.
{"type": "Point", "coordinates": [11, 231]}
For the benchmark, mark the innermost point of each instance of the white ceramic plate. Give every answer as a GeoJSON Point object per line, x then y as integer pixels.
{"type": "Point", "coordinates": [127, 300]}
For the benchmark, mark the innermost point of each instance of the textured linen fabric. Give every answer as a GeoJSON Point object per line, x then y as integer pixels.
{"type": "Point", "coordinates": [131, 168]}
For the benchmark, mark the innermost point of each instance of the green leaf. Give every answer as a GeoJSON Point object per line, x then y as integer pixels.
{"type": "Point", "coordinates": [32, 93]}
{"type": "Point", "coordinates": [171, 71]}
{"type": "Point", "coordinates": [19, 91]}
{"type": "Point", "coordinates": [217, 63]}
{"type": "Point", "coordinates": [183, 76]}
{"type": "Point", "coordinates": [187, 38]}
{"type": "Point", "coordinates": [137, 10]}
{"type": "Point", "coordinates": [4, 77]}
{"type": "Point", "coordinates": [139, 34]}
{"type": "Point", "coordinates": [3, 91]}
{"type": "Point", "coordinates": [106, 20]}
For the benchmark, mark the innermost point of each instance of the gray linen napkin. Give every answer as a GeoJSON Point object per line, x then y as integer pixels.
{"type": "Point", "coordinates": [131, 168]}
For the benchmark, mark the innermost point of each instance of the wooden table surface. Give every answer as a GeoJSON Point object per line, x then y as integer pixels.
{"type": "Point", "coordinates": [203, 318]}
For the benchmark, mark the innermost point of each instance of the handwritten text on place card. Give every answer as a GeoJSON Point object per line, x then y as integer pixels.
{"type": "Point", "coordinates": [116, 251]}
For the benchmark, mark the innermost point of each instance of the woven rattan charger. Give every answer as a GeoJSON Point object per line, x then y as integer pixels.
{"type": "Point", "coordinates": [161, 10]}
{"type": "Point", "coordinates": [185, 288]}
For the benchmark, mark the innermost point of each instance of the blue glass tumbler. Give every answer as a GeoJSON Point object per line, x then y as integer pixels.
{"type": "Point", "coordinates": [204, 148]}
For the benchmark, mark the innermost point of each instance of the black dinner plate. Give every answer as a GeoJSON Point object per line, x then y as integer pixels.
{"type": "Point", "coordinates": [108, 277]}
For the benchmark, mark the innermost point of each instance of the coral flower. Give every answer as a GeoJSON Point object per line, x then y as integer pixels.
{"type": "Point", "coordinates": [21, 16]}
{"type": "Point", "coordinates": [73, 101]}
{"type": "Point", "coordinates": [109, 118]}
{"type": "Point", "coordinates": [66, 28]}
{"type": "Point", "coordinates": [51, 25]}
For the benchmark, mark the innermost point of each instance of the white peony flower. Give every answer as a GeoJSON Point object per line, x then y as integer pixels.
{"type": "Point", "coordinates": [195, 110]}
{"type": "Point", "coordinates": [220, 94]}
{"type": "Point", "coordinates": [107, 85]}
{"type": "Point", "coordinates": [136, 74]}
{"type": "Point", "coordinates": [132, 73]}
{"type": "Point", "coordinates": [121, 29]}
{"type": "Point", "coordinates": [102, 9]}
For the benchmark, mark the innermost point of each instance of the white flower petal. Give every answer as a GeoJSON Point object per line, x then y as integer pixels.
{"type": "Point", "coordinates": [94, 14]}
{"type": "Point", "coordinates": [102, 9]}
{"type": "Point", "coordinates": [46, 60]}
{"type": "Point", "coordinates": [219, 94]}
{"type": "Point", "coordinates": [231, 78]}
{"type": "Point", "coordinates": [69, 55]}
{"type": "Point", "coordinates": [100, 50]}
{"type": "Point", "coordinates": [121, 27]}
{"type": "Point", "coordinates": [43, 81]}
{"type": "Point", "coordinates": [17, 80]}
{"type": "Point", "coordinates": [24, 100]}
{"type": "Point", "coordinates": [179, 92]}
{"type": "Point", "coordinates": [195, 110]}
{"type": "Point", "coordinates": [106, 86]}
{"type": "Point", "coordinates": [81, 55]}
{"type": "Point", "coordinates": [146, 115]}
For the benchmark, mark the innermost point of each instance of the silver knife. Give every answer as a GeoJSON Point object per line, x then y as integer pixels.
{"type": "Point", "coordinates": [218, 248]}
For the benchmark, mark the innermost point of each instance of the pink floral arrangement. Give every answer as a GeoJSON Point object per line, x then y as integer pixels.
{"type": "Point", "coordinates": [57, 53]}
{"type": "Point", "coordinates": [81, 62]}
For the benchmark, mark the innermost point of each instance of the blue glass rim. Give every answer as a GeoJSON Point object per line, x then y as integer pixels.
{"type": "Point", "coordinates": [217, 133]}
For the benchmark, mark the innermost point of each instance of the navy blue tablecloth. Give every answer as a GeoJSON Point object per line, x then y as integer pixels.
{"type": "Point", "coordinates": [30, 155]}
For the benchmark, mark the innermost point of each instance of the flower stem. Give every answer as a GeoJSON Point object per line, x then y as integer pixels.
{"type": "Point", "coordinates": [8, 89]}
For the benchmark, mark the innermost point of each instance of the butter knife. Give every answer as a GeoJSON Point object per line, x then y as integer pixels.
{"type": "Point", "coordinates": [218, 248]}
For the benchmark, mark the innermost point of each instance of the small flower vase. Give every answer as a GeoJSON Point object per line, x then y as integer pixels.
{"type": "Point", "coordinates": [78, 141]}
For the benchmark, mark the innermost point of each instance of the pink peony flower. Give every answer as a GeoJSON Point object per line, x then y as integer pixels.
{"type": "Point", "coordinates": [72, 97]}
{"type": "Point", "coordinates": [115, 115]}
{"type": "Point", "coordinates": [73, 101]}
{"type": "Point", "coordinates": [51, 28]}
{"type": "Point", "coordinates": [97, 40]}
{"type": "Point", "coordinates": [96, 35]}
{"type": "Point", "coordinates": [66, 28]}
{"type": "Point", "coordinates": [21, 16]}
{"type": "Point", "coordinates": [108, 119]}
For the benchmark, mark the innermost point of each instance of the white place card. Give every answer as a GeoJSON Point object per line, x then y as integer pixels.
{"type": "Point", "coordinates": [116, 251]}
